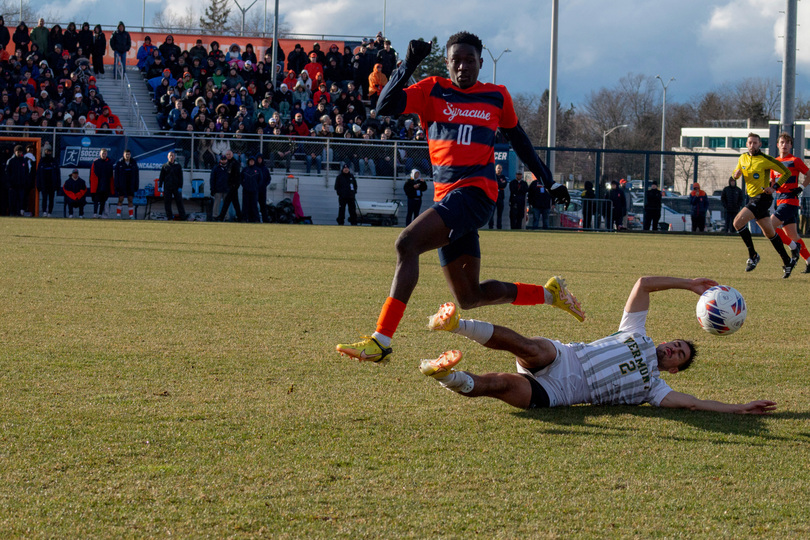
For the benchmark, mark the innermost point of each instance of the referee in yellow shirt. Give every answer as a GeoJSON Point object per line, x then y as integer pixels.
{"type": "Point", "coordinates": [755, 168]}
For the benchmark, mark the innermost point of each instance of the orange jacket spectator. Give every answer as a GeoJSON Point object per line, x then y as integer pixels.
{"type": "Point", "coordinates": [290, 80]}
{"type": "Point", "coordinates": [376, 80]}
{"type": "Point", "coordinates": [314, 68]}
{"type": "Point", "coordinates": [112, 120]}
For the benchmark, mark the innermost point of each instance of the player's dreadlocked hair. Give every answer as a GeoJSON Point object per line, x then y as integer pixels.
{"type": "Point", "coordinates": [466, 38]}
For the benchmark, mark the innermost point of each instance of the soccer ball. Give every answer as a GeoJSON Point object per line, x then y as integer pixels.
{"type": "Point", "coordinates": [721, 310]}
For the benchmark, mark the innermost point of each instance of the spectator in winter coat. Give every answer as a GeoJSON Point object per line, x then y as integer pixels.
{"type": "Point", "coordinates": [171, 180]}
{"type": "Point", "coordinates": [732, 199]}
{"type": "Point", "coordinates": [70, 41]}
{"type": "Point", "coordinates": [75, 190]}
{"type": "Point", "coordinates": [21, 38]}
{"type": "Point", "coordinates": [126, 182]}
{"type": "Point", "coordinates": [251, 178]}
{"type": "Point", "coordinates": [120, 43]}
{"type": "Point", "coordinates": [376, 81]}
{"type": "Point", "coordinates": [264, 183]}
{"type": "Point", "coordinates": [618, 202]}
{"type": "Point", "coordinates": [101, 182]}
{"type": "Point", "coordinates": [17, 176]}
{"type": "Point", "coordinates": [86, 39]}
{"type": "Point", "coordinates": [361, 67]}
{"type": "Point", "coordinates": [39, 35]}
{"type": "Point", "coordinates": [5, 37]}
{"type": "Point", "coordinates": [540, 202]}
{"type": "Point", "coordinates": [99, 50]}
{"type": "Point", "coordinates": [145, 51]}
{"type": "Point", "coordinates": [387, 57]}
{"type": "Point", "coordinates": [518, 188]}
{"type": "Point", "coordinates": [652, 207]}
{"type": "Point", "coordinates": [47, 181]}
{"type": "Point", "coordinates": [168, 48]}
{"type": "Point", "coordinates": [313, 69]}
{"type": "Point", "coordinates": [218, 183]}
{"type": "Point", "coordinates": [320, 56]}
{"type": "Point", "coordinates": [700, 205]}
{"type": "Point", "coordinates": [297, 59]}
{"type": "Point", "coordinates": [415, 186]}
{"type": "Point", "coordinates": [234, 181]}
{"type": "Point", "coordinates": [346, 188]}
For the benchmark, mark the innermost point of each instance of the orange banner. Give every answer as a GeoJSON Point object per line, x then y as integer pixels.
{"type": "Point", "coordinates": [187, 41]}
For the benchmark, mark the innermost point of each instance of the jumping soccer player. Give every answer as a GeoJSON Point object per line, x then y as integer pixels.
{"type": "Point", "coordinates": [462, 116]}
{"type": "Point", "coordinates": [754, 167]}
{"type": "Point", "coordinates": [620, 369]}
{"type": "Point", "coordinates": [787, 201]}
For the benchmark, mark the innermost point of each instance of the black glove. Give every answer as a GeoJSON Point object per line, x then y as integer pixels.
{"type": "Point", "coordinates": [796, 192]}
{"type": "Point", "coordinates": [418, 50]}
{"type": "Point", "coordinates": [560, 194]}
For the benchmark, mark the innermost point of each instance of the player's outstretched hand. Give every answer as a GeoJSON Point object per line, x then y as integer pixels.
{"type": "Point", "coordinates": [701, 285]}
{"type": "Point", "coordinates": [559, 193]}
{"type": "Point", "coordinates": [761, 406]}
{"type": "Point", "coordinates": [418, 50]}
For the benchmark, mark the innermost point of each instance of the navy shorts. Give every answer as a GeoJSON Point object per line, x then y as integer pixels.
{"type": "Point", "coordinates": [463, 211]}
{"type": "Point", "coordinates": [787, 214]}
{"type": "Point", "coordinates": [760, 205]}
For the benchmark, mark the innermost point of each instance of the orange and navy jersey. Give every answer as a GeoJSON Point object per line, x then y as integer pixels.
{"type": "Point", "coordinates": [795, 165]}
{"type": "Point", "coordinates": [461, 131]}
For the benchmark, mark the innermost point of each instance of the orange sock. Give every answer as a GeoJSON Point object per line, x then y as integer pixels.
{"type": "Point", "coordinates": [390, 315]}
{"type": "Point", "coordinates": [803, 251]}
{"type": "Point", "coordinates": [783, 235]}
{"type": "Point", "coordinates": [529, 295]}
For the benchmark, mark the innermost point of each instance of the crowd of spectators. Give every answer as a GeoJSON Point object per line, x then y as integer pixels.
{"type": "Point", "coordinates": [47, 80]}
{"type": "Point", "coordinates": [326, 94]}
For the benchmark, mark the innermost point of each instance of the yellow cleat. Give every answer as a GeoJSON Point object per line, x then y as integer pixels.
{"type": "Point", "coordinates": [563, 299]}
{"type": "Point", "coordinates": [444, 319]}
{"type": "Point", "coordinates": [442, 366]}
{"type": "Point", "coordinates": [367, 350]}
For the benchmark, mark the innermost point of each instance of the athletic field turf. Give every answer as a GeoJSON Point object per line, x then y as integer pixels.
{"type": "Point", "coordinates": [179, 379]}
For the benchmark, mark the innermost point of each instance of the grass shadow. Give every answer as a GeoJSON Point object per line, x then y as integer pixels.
{"type": "Point", "coordinates": [580, 416]}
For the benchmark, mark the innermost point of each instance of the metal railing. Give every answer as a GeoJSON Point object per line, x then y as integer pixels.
{"type": "Point", "coordinates": [395, 159]}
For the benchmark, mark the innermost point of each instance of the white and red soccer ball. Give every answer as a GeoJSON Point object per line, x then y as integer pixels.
{"type": "Point", "coordinates": [721, 310]}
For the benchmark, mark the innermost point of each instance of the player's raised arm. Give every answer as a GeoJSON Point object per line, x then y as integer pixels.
{"type": "Point", "coordinates": [525, 151]}
{"type": "Point", "coordinates": [392, 98]}
{"type": "Point", "coordinates": [679, 400]}
{"type": "Point", "coordinates": [639, 299]}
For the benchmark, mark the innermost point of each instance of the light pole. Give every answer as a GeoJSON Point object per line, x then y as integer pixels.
{"type": "Point", "coordinates": [495, 63]}
{"type": "Point", "coordinates": [663, 126]}
{"type": "Point", "coordinates": [609, 131]}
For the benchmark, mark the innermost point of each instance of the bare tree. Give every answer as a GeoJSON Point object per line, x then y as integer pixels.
{"type": "Point", "coordinates": [758, 99]}
{"type": "Point", "coordinates": [10, 9]}
{"type": "Point", "coordinates": [172, 21]}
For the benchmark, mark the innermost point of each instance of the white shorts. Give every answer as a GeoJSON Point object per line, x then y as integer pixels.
{"type": "Point", "coordinates": [564, 379]}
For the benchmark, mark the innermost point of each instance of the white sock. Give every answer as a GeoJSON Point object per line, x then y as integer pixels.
{"type": "Point", "coordinates": [478, 331]}
{"type": "Point", "coordinates": [458, 381]}
{"type": "Point", "coordinates": [385, 341]}
{"type": "Point", "coordinates": [793, 245]}
{"type": "Point", "coordinates": [549, 298]}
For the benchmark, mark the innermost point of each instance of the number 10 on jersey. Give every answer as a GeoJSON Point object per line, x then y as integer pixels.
{"type": "Point", "coordinates": [464, 134]}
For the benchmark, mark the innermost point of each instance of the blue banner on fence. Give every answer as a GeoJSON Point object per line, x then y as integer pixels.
{"type": "Point", "coordinates": [80, 151]}
{"type": "Point", "coordinates": [150, 154]}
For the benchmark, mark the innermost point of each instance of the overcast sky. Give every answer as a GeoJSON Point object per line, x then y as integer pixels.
{"type": "Point", "coordinates": [701, 43]}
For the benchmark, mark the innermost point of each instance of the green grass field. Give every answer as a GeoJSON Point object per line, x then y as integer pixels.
{"type": "Point", "coordinates": [179, 379]}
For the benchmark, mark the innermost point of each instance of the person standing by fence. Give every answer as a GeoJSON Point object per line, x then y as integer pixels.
{"type": "Point", "coordinates": [120, 43]}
